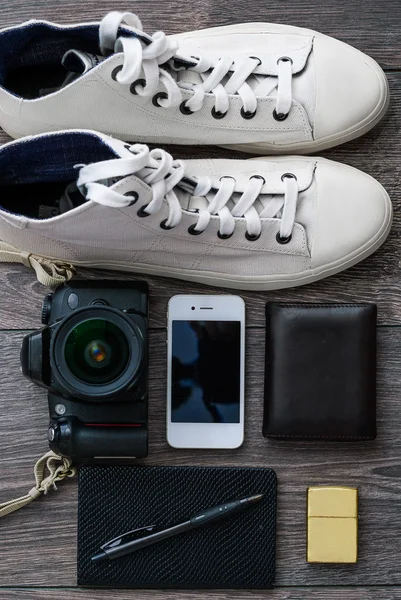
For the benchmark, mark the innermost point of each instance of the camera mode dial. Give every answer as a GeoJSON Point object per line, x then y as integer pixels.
{"type": "Point", "coordinates": [46, 308]}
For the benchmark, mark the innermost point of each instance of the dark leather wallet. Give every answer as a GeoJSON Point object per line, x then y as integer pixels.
{"type": "Point", "coordinates": [320, 377]}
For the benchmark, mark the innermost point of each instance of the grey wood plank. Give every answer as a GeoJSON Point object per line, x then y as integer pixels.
{"type": "Point", "coordinates": [372, 27]}
{"type": "Point", "coordinates": [296, 593]}
{"type": "Point", "coordinates": [50, 523]}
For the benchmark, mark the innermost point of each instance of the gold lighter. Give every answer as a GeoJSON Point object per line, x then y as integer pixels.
{"type": "Point", "coordinates": [332, 525]}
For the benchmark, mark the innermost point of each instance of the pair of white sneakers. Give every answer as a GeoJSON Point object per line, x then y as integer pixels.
{"type": "Point", "coordinates": [74, 197]}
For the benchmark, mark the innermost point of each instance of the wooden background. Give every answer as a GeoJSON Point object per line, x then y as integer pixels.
{"type": "Point", "coordinates": [38, 544]}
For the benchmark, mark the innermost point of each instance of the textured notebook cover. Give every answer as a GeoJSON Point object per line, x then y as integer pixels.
{"type": "Point", "coordinates": [238, 552]}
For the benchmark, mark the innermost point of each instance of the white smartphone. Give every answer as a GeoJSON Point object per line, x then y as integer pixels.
{"type": "Point", "coordinates": [206, 367]}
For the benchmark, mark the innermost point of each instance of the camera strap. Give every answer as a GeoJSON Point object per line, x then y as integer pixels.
{"type": "Point", "coordinates": [59, 468]}
{"type": "Point", "coordinates": [49, 273]}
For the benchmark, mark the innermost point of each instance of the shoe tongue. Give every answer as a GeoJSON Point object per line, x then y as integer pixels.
{"type": "Point", "coordinates": [71, 198]}
{"type": "Point", "coordinates": [80, 62]}
{"type": "Point", "coordinates": [187, 78]}
{"type": "Point", "coordinates": [76, 63]}
{"type": "Point", "coordinates": [197, 203]}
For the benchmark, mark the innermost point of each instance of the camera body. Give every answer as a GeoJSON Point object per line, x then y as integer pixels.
{"type": "Point", "coordinates": [92, 357]}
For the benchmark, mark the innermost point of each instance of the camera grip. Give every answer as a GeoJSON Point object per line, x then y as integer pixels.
{"type": "Point", "coordinates": [86, 441]}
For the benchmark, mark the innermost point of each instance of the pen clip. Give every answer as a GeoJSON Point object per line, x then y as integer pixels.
{"type": "Point", "coordinates": [120, 538]}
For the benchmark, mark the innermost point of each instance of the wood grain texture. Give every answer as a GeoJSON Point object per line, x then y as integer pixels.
{"type": "Point", "coordinates": [371, 26]}
{"type": "Point", "coordinates": [374, 467]}
{"type": "Point", "coordinates": [38, 547]}
{"type": "Point", "coordinates": [297, 593]}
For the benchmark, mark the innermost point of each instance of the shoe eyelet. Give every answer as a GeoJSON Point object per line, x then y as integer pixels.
{"type": "Point", "coordinates": [223, 236]}
{"type": "Point", "coordinates": [164, 226]}
{"type": "Point", "coordinates": [288, 176]}
{"type": "Point", "coordinates": [252, 238]}
{"type": "Point", "coordinates": [217, 115]}
{"type": "Point", "coordinates": [285, 59]}
{"type": "Point", "coordinates": [141, 211]}
{"type": "Point", "coordinates": [279, 116]}
{"type": "Point", "coordinates": [157, 97]}
{"type": "Point", "coordinates": [257, 58]}
{"type": "Point", "coordinates": [184, 108]}
{"type": "Point", "coordinates": [281, 240]}
{"type": "Point", "coordinates": [115, 72]}
{"type": "Point", "coordinates": [134, 195]}
{"type": "Point", "coordinates": [247, 115]}
{"type": "Point", "coordinates": [228, 177]}
{"type": "Point", "coordinates": [134, 85]}
{"type": "Point", "coordinates": [193, 231]}
{"type": "Point", "coordinates": [258, 177]}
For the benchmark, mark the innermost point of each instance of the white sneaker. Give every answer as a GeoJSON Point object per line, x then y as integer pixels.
{"type": "Point", "coordinates": [254, 224]}
{"type": "Point", "coordinates": [256, 87]}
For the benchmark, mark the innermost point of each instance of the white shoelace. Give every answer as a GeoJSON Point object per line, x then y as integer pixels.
{"type": "Point", "coordinates": [162, 173]}
{"type": "Point", "coordinates": [144, 54]}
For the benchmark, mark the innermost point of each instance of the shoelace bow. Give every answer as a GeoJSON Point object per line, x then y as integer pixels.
{"type": "Point", "coordinates": [163, 174]}
{"type": "Point", "coordinates": [144, 54]}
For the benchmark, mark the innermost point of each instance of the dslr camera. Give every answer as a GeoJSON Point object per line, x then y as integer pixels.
{"type": "Point", "coordinates": [92, 356]}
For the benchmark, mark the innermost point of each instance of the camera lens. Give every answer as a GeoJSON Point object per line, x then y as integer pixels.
{"type": "Point", "coordinates": [96, 351]}
{"type": "Point", "coordinates": [192, 307]}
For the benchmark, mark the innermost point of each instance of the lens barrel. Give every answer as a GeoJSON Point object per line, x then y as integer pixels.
{"type": "Point", "coordinates": [97, 352]}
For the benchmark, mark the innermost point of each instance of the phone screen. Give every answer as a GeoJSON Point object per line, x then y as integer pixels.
{"type": "Point", "coordinates": [206, 371]}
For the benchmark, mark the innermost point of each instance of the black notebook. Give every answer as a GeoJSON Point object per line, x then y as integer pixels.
{"type": "Point", "coordinates": [237, 552]}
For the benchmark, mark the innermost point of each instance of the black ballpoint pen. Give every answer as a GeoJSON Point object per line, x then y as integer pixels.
{"type": "Point", "coordinates": [116, 548]}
